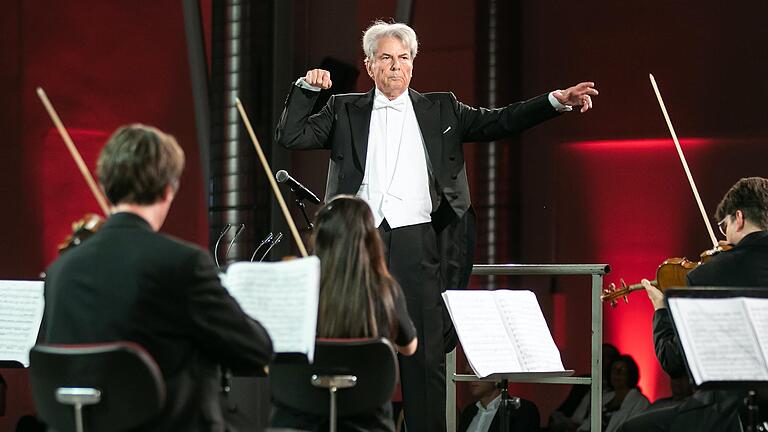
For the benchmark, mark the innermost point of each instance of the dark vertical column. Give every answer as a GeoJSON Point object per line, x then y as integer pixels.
{"type": "Point", "coordinates": [241, 56]}
{"type": "Point", "coordinates": [496, 193]}
{"type": "Point", "coordinates": [198, 72]}
{"type": "Point", "coordinates": [241, 46]}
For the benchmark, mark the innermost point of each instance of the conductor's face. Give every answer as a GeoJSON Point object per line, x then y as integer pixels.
{"type": "Point", "coordinates": [392, 67]}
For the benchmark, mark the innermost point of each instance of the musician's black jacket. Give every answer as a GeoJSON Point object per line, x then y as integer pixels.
{"type": "Point", "coordinates": [746, 265]}
{"type": "Point", "coordinates": [128, 282]}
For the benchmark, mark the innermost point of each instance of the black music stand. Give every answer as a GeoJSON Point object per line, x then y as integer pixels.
{"type": "Point", "coordinates": [675, 294]}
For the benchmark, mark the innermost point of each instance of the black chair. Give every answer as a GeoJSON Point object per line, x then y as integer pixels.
{"type": "Point", "coordinates": [348, 377]}
{"type": "Point", "coordinates": [118, 381]}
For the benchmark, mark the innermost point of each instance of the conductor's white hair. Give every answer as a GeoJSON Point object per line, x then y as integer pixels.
{"type": "Point", "coordinates": [380, 29]}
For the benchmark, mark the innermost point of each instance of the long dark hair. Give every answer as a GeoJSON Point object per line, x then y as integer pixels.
{"type": "Point", "coordinates": [356, 289]}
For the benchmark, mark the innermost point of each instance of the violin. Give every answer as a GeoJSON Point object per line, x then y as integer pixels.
{"type": "Point", "coordinates": [671, 273]}
{"type": "Point", "coordinates": [82, 229]}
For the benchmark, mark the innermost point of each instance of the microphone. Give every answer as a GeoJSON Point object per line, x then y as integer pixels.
{"type": "Point", "coordinates": [216, 247]}
{"type": "Point", "coordinates": [275, 241]}
{"type": "Point", "coordinates": [266, 240]}
{"type": "Point", "coordinates": [299, 189]}
{"type": "Point", "coordinates": [234, 237]}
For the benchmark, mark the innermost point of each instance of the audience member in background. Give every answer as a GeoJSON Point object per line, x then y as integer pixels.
{"type": "Point", "coordinates": [483, 415]}
{"type": "Point", "coordinates": [358, 299]}
{"type": "Point", "coordinates": [560, 420]}
{"type": "Point", "coordinates": [619, 404]}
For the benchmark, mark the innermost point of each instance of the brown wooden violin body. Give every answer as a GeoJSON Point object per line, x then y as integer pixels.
{"type": "Point", "coordinates": [671, 273]}
{"type": "Point", "coordinates": [81, 230]}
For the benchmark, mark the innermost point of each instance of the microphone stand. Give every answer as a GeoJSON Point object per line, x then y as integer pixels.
{"type": "Point", "coordinates": [300, 202]}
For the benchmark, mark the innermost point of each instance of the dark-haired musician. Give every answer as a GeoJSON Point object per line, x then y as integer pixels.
{"type": "Point", "coordinates": [743, 216]}
{"type": "Point", "coordinates": [128, 282]}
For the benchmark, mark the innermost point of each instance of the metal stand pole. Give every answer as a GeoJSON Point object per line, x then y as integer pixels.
{"type": "Point", "coordinates": [507, 404]}
{"type": "Point", "coordinates": [303, 208]}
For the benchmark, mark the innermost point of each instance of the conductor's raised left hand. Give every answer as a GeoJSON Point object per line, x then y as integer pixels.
{"type": "Point", "coordinates": [578, 95]}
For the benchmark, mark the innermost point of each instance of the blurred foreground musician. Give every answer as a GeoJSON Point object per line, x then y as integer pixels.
{"type": "Point", "coordinates": [743, 216]}
{"type": "Point", "coordinates": [128, 282]}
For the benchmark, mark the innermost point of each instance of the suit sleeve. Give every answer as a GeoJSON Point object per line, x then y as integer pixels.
{"type": "Point", "coordinates": [484, 124]}
{"type": "Point", "coordinates": [296, 129]}
{"type": "Point", "coordinates": [227, 334]}
{"type": "Point", "coordinates": [668, 349]}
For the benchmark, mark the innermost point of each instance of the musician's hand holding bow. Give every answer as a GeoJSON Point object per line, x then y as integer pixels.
{"type": "Point", "coordinates": [319, 78]}
{"type": "Point", "coordinates": [578, 95]}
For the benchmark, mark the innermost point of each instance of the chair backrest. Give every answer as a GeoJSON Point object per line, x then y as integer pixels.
{"type": "Point", "coordinates": [372, 361]}
{"type": "Point", "coordinates": [131, 385]}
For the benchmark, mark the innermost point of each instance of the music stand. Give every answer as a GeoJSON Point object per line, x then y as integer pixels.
{"type": "Point", "coordinates": [682, 323]}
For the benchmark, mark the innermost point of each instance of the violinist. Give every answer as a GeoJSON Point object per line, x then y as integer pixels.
{"type": "Point", "coordinates": [743, 220]}
{"type": "Point", "coordinates": [128, 282]}
{"type": "Point", "coordinates": [358, 299]}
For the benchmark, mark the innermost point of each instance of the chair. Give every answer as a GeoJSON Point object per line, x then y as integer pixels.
{"type": "Point", "coordinates": [119, 382]}
{"type": "Point", "coordinates": [348, 377]}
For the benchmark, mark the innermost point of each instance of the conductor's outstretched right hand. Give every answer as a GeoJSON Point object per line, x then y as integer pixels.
{"type": "Point", "coordinates": [319, 78]}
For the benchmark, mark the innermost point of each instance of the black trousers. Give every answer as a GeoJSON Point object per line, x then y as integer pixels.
{"type": "Point", "coordinates": [413, 259]}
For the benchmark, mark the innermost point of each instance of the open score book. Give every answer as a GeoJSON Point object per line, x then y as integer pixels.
{"type": "Point", "coordinates": [502, 331]}
{"type": "Point", "coordinates": [21, 312]}
{"type": "Point", "coordinates": [724, 339]}
{"type": "Point", "coordinates": [283, 297]}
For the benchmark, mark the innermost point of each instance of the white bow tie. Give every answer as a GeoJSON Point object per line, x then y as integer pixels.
{"type": "Point", "coordinates": [398, 104]}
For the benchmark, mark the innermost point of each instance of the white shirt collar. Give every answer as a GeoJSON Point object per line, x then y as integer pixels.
{"type": "Point", "coordinates": [377, 94]}
{"type": "Point", "coordinates": [493, 406]}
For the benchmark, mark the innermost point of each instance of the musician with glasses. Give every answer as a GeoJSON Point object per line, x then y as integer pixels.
{"type": "Point", "coordinates": [743, 216]}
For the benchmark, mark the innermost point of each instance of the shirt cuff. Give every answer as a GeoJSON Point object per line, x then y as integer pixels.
{"type": "Point", "coordinates": [556, 103]}
{"type": "Point", "coordinates": [303, 84]}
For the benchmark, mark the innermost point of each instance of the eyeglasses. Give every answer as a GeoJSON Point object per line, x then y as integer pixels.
{"type": "Point", "coordinates": [722, 226]}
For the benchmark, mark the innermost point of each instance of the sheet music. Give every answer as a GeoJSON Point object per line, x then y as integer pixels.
{"type": "Point", "coordinates": [481, 331]}
{"type": "Point", "coordinates": [282, 296]}
{"type": "Point", "coordinates": [21, 311]}
{"type": "Point", "coordinates": [526, 325]}
{"type": "Point", "coordinates": [718, 339]}
{"type": "Point", "coordinates": [758, 314]}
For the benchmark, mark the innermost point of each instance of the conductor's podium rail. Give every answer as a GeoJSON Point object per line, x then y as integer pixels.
{"type": "Point", "coordinates": [594, 380]}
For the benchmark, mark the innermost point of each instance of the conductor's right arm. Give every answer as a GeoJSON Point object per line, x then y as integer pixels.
{"type": "Point", "coordinates": [296, 128]}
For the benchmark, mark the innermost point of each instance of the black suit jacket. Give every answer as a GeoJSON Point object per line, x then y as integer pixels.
{"type": "Point", "coordinates": [524, 419]}
{"type": "Point", "coordinates": [746, 265]}
{"type": "Point", "coordinates": [342, 126]}
{"type": "Point", "coordinates": [128, 282]}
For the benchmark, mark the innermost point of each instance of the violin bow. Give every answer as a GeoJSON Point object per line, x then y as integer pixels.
{"type": "Point", "coordinates": [268, 170]}
{"type": "Point", "coordinates": [685, 164]}
{"type": "Point", "coordinates": [73, 151]}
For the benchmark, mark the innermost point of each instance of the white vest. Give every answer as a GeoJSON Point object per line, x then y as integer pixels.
{"type": "Point", "coordinates": [396, 181]}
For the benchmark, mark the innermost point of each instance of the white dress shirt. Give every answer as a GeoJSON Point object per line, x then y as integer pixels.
{"type": "Point", "coordinates": [396, 180]}
{"type": "Point", "coordinates": [482, 420]}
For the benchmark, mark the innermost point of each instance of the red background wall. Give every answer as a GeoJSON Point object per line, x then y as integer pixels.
{"type": "Point", "coordinates": [602, 187]}
{"type": "Point", "coordinates": [103, 64]}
